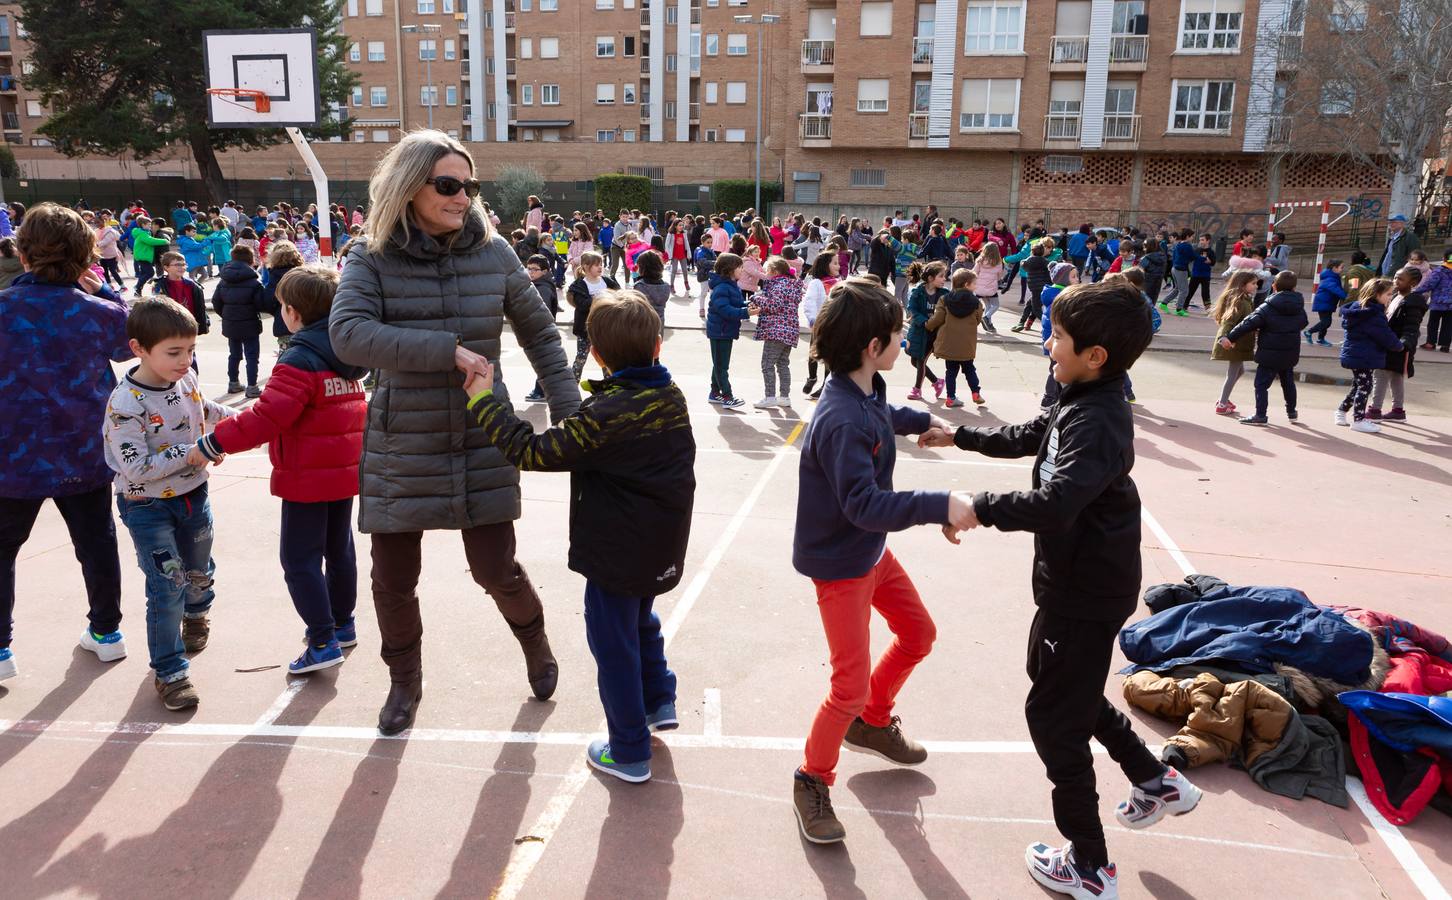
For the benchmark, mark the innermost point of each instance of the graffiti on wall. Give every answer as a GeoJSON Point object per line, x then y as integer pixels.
{"type": "Point", "coordinates": [1364, 207]}
{"type": "Point", "coordinates": [1206, 216]}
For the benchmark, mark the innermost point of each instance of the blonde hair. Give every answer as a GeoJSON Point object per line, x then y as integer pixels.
{"type": "Point", "coordinates": [1235, 288]}
{"type": "Point", "coordinates": [963, 278]}
{"type": "Point", "coordinates": [587, 259]}
{"type": "Point", "coordinates": [281, 254]}
{"type": "Point", "coordinates": [1375, 288]}
{"type": "Point", "coordinates": [990, 255]}
{"type": "Point", "coordinates": [401, 173]}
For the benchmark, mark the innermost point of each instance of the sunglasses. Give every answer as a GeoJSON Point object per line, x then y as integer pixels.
{"type": "Point", "coordinates": [448, 185]}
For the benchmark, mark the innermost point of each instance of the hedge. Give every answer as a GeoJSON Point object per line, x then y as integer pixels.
{"type": "Point", "coordinates": [617, 192]}
{"type": "Point", "coordinates": [733, 195]}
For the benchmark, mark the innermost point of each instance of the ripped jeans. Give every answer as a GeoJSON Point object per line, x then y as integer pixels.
{"type": "Point", "coordinates": [173, 539]}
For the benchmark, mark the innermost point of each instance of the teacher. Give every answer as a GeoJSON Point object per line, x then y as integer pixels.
{"type": "Point", "coordinates": [424, 296]}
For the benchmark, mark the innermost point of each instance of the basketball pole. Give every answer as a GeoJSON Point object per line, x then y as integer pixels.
{"type": "Point", "coordinates": [320, 184]}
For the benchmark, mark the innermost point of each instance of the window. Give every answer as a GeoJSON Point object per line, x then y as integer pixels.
{"type": "Point", "coordinates": [876, 20]}
{"type": "Point", "coordinates": [627, 94]}
{"type": "Point", "coordinates": [1066, 104]}
{"type": "Point", "coordinates": [451, 95]}
{"type": "Point", "coordinates": [604, 135]}
{"type": "Point", "coordinates": [428, 95]}
{"type": "Point", "coordinates": [373, 8]}
{"type": "Point", "coordinates": [549, 5]}
{"type": "Point", "coordinates": [735, 92]}
{"type": "Point", "coordinates": [710, 134]}
{"type": "Point", "coordinates": [525, 5]}
{"type": "Point", "coordinates": [736, 135]}
{"type": "Point", "coordinates": [352, 7]}
{"type": "Point", "coordinates": [628, 136]}
{"type": "Point", "coordinates": [922, 96]}
{"type": "Point", "coordinates": [380, 136]}
{"type": "Point", "coordinates": [355, 53]}
{"type": "Point", "coordinates": [1125, 12]}
{"type": "Point", "coordinates": [670, 109]}
{"type": "Point", "coordinates": [549, 48]}
{"type": "Point", "coordinates": [357, 99]}
{"type": "Point", "coordinates": [447, 7]}
{"type": "Point", "coordinates": [549, 94]}
{"type": "Point", "coordinates": [1337, 98]}
{"type": "Point", "coordinates": [872, 94]}
{"type": "Point", "coordinates": [629, 48]}
{"type": "Point", "coordinates": [671, 15]}
{"type": "Point", "coordinates": [489, 111]}
{"type": "Point", "coordinates": [994, 26]}
{"type": "Point", "coordinates": [711, 91]}
{"type": "Point", "coordinates": [526, 48]}
{"type": "Point", "coordinates": [1202, 106]}
{"type": "Point", "coordinates": [1211, 25]}
{"type": "Point", "coordinates": [428, 50]}
{"type": "Point", "coordinates": [989, 104]}
{"type": "Point", "coordinates": [869, 178]}
{"type": "Point", "coordinates": [453, 133]}
{"type": "Point", "coordinates": [360, 136]}
{"type": "Point", "coordinates": [378, 96]}
{"type": "Point", "coordinates": [449, 52]}
{"type": "Point", "coordinates": [1119, 99]}
{"type": "Point", "coordinates": [526, 95]}
{"type": "Point", "coordinates": [713, 44]}
{"type": "Point", "coordinates": [1348, 15]}
{"type": "Point", "coordinates": [604, 93]}
{"type": "Point", "coordinates": [375, 51]}
{"type": "Point", "coordinates": [735, 45]}
{"type": "Point", "coordinates": [33, 108]}
{"type": "Point", "coordinates": [425, 7]}
{"type": "Point", "coordinates": [604, 46]}
{"type": "Point", "coordinates": [671, 59]}
{"type": "Point", "coordinates": [695, 52]}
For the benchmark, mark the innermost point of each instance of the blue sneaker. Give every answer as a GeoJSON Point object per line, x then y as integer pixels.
{"type": "Point", "coordinates": [598, 755]}
{"type": "Point", "coordinates": [346, 635]}
{"type": "Point", "coordinates": [663, 719]}
{"type": "Point", "coordinates": [7, 665]}
{"type": "Point", "coordinates": [317, 657]}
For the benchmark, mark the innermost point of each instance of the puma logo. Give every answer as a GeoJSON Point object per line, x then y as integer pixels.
{"type": "Point", "coordinates": [1053, 645]}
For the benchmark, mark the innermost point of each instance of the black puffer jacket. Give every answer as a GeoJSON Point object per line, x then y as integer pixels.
{"type": "Point", "coordinates": [1279, 322]}
{"type": "Point", "coordinates": [579, 297]}
{"type": "Point", "coordinates": [1036, 272]}
{"type": "Point", "coordinates": [1406, 321]}
{"type": "Point", "coordinates": [240, 301]}
{"type": "Point", "coordinates": [274, 275]}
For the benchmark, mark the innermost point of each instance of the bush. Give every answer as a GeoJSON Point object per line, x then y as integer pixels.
{"type": "Point", "coordinates": [515, 185]}
{"type": "Point", "coordinates": [732, 195]}
{"type": "Point", "coordinates": [616, 192]}
{"type": "Point", "coordinates": [9, 168]}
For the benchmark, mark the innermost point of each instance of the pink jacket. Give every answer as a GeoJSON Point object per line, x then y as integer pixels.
{"type": "Point", "coordinates": [985, 280]}
{"type": "Point", "coordinates": [749, 278]}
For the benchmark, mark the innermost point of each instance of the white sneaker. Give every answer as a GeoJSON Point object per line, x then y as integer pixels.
{"type": "Point", "coordinates": [765, 403]}
{"type": "Point", "coordinates": [1175, 797]}
{"type": "Point", "coordinates": [1365, 426]}
{"type": "Point", "coordinates": [108, 648]}
{"type": "Point", "coordinates": [1341, 417]}
{"type": "Point", "coordinates": [784, 402]}
{"type": "Point", "coordinates": [7, 665]}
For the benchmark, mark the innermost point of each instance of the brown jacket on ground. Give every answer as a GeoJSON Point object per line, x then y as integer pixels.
{"type": "Point", "coordinates": [955, 326]}
{"type": "Point", "coordinates": [1224, 721]}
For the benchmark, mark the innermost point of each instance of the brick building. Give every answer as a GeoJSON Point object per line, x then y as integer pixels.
{"type": "Point", "coordinates": [1142, 110]}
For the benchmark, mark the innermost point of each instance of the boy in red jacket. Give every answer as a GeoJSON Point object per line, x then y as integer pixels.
{"type": "Point", "coordinates": [311, 416]}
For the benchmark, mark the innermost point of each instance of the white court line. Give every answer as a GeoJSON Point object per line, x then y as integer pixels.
{"type": "Point", "coordinates": [527, 855]}
{"type": "Point", "coordinates": [1402, 849]}
{"type": "Point", "coordinates": [900, 458]}
{"type": "Point", "coordinates": [294, 686]}
{"type": "Point", "coordinates": [711, 714]}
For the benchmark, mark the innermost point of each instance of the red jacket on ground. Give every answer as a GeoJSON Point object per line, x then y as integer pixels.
{"type": "Point", "coordinates": [311, 416]}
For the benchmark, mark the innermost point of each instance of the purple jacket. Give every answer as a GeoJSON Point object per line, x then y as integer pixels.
{"type": "Point", "coordinates": [1438, 288]}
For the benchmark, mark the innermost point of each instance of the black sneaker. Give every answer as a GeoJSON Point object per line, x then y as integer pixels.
{"type": "Point", "coordinates": [811, 383]}
{"type": "Point", "coordinates": [812, 801]}
{"type": "Point", "coordinates": [534, 396]}
{"type": "Point", "coordinates": [1255, 420]}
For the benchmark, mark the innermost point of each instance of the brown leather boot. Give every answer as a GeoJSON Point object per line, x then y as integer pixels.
{"type": "Point", "coordinates": [400, 707]}
{"type": "Point", "coordinates": [539, 662]}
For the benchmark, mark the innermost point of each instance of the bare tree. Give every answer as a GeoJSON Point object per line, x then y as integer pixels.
{"type": "Point", "coordinates": [1370, 80]}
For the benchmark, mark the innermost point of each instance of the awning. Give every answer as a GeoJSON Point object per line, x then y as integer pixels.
{"type": "Point", "coordinates": [544, 123]}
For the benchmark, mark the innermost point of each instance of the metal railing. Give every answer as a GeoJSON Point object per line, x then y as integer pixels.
{"type": "Point", "coordinates": [922, 51]}
{"type": "Point", "coordinates": [1128, 48]}
{"type": "Point", "coordinates": [1121, 127]}
{"type": "Point", "coordinates": [464, 67]}
{"type": "Point", "coordinates": [695, 111]}
{"type": "Point", "coordinates": [1280, 130]}
{"type": "Point", "coordinates": [816, 127]}
{"type": "Point", "coordinates": [645, 111]}
{"type": "Point", "coordinates": [1069, 48]}
{"type": "Point", "coordinates": [1061, 127]}
{"type": "Point", "coordinates": [918, 126]}
{"type": "Point", "coordinates": [509, 21]}
{"type": "Point", "coordinates": [645, 65]}
{"type": "Point", "coordinates": [1288, 53]}
{"type": "Point", "coordinates": [12, 121]}
{"type": "Point", "coordinates": [818, 53]}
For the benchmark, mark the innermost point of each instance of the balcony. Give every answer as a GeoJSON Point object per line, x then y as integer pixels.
{"type": "Point", "coordinates": [464, 68]}
{"type": "Point", "coordinates": [1061, 127]}
{"type": "Point", "coordinates": [695, 111]}
{"type": "Point", "coordinates": [508, 23]}
{"type": "Point", "coordinates": [645, 110]}
{"type": "Point", "coordinates": [8, 83]}
{"type": "Point", "coordinates": [1121, 128]}
{"type": "Point", "coordinates": [818, 56]}
{"type": "Point", "coordinates": [645, 64]}
{"type": "Point", "coordinates": [922, 51]}
{"type": "Point", "coordinates": [1288, 55]}
{"type": "Point", "coordinates": [12, 121]}
{"type": "Point", "coordinates": [1069, 50]}
{"type": "Point", "coordinates": [509, 68]}
{"type": "Point", "coordinates": [1279, 134]}
{"type": "Point", "coordinates": [1129, 51]}
{"type": "Point", "coordinates": [644, 16]}
{"type": "Point", "coordinates": [816, 127]}
{"type": "Point", "coordinates": [918, 126]}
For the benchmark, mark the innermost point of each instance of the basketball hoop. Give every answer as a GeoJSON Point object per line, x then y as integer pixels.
{"type": "Point", "coordinates": [259, 100]}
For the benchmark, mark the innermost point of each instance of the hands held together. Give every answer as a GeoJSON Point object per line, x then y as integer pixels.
{"type": "Point", "coordinates": [960, 503]}
{"type": "Point", "coordinates": [195, 457]}
{"type": "Point", "coordinates": [478, 373]}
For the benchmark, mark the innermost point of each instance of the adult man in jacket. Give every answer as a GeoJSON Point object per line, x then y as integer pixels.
{"type": "Point", "coordinates": [1399, 242]}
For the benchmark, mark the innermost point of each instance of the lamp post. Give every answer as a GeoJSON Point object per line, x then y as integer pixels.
{"type": "Point", "coordinates": [428, 63]}
{"type": "Point", "coordinates": [760, 22]}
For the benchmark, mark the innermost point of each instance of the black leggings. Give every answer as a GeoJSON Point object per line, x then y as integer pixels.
{"type": "Point", "coordinates": [111, 268]}
{"type": "Point", "coordinates": [921, 364]}
{"type": "Point", "coordinates": [1033, 311]}
{"type": "Point", "coordinates": [1323, 326]}
{"type": "Point", "coordinates": [1204, 285]}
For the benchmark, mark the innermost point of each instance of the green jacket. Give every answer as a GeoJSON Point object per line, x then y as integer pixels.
{"type": "Point", "coordinates": [144, 246]}
{"type": "Point", "coordinates": [1361, 275]}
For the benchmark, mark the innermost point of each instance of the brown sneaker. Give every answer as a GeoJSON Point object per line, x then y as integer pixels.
{"type": "Point", "coordinates": [177, 695]}
{"type": "Point", "coordinates": [195, 633]}
{"type": "Point", "coordinates": [887, 742]}
{"type": "Point", "coordinates": [811, 797]}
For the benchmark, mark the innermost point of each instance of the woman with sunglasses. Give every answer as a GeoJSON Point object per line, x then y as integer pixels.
{"type": "Point", "coordinates": [423, 299]}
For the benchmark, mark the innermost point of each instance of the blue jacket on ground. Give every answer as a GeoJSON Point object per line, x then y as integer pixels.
{"type": "Point", "coordinates": [1329, 292]}
{"type": "Point", "coordinates": [1182, 256]}
{"type": "Point", "coordinates": [1406, 722]}
{"type": "Point", "coordinates": [56, 342]}
{"type": "Point", "coordinates": [845, 501]}
{"type": "Point", "coordinates": [1368, 336]}
{"type": "Point", "coordinates": [197, 253]}
{"type": "Point", "coordinates": [726, 310]}
{"type": "Point", "coordinates": [1253, 628]}
{"type": "Point", "coordinates": [1279, 322]}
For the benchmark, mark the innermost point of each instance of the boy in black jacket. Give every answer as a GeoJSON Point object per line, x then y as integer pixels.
{"type": "Point", "coordinates": [1084, 512]}
{"type": "Point", "coordinates": [240, 301]}
{"type": "Point", "coordinates": [1280, 321]}
{"type": "Point", "coordinates": [631, 459]}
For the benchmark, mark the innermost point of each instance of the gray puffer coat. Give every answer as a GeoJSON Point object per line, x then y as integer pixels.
{"type": "Point", "coordinates": [402, 312]}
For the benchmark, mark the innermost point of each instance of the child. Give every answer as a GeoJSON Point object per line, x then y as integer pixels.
{"type": "Point", "coordinates": [580, 244]}
{"type": "Point", "coordinates": [905, 252]}
{"type": "Point", "coordinates": [1152, 261]}
{"type": "Point", "coordinates": [1368, 340]}
{"type": "Point", "coordinates": [962, 259]}
{"type": "Point", "coordinates": [219, 245]}
{"type": "Point", "coordinates": [631, 459]}
{"type": "Point", "coordinates": [650, 283]}
{"type": "Point", "coordinates": [751, 273]}
{"type": "Point", "coordinates": [282, 257]}
{"type": "Point", "coordinates": [705, 259]}
{"type": "Point", "coordinates": [1084, 512]}
{"type": "Point", "coordinates": [986, 273]}
{"type": "Point", "coordinates": [1279, 322]}
{"type": "Point", "coordinates": [1096, 266]}
{"type": "Point", "coordinates": [1036, 277]}
{"type": "Point", "coordinates": [1357, 275]}
{"type": "Point", "coordinates": [153, 421]}
{"type": "Point", "coordinates": [723, 326]}
{"type": "Point", "coordinates": [1230, 309]}
{"type": "Point", "coordinates": [175, 284]}
{"type": "Point", "coordinates": [821, 276]}
{"type": "Point", "coordinates": [196, 253]}
{"type": "Point", "coordinates": [240, 301]}
{"type": "Point", "coordinates": [1438, 288]}
{"type": "Point", "coordinates": [845, 508]}
{"type": "Point", "coordinates": [311, 417]}
{"type": "Point", "coordinates": [590, 282]}
{"type": "Point", "coordinates": [144, 247]}
{"type": "Point", "coordinates": [923, 299]}
{"type": "Point", "coordinates": [306, 246]}
{"type": "Point", "coordinates": [1329, 295]}
{"type": "Point", "coordinates": [1404, 315]}
{"type": "Point", "coordinates": [1181, 258]}
{"type": "Point", "coordinates": [1064, 275]}
{"type": "Point", "coordinates": [10, 265]}
{"type": "Point", "coordinates": [955, 328]}
{"type": "Point", "coordinates": [248, 238]}
{"type": "Point", "coordinates": [1201, 269]}
{"type": "Point", "coordinates": [540, 271]}
{"type": "Point", "coordinates": [779, 330]}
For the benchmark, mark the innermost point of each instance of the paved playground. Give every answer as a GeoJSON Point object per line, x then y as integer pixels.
{"type": "Point", "coordinates": [279, 787]}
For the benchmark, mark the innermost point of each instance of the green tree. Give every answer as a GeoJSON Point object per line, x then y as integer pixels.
{"type": "Point", "coordinates": [515, 185]}
{"type": "Point", "coordinates": [128, 77]}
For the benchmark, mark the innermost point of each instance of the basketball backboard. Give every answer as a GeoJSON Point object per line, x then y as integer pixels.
{"type": "Point", "coordinates": [283, 62]}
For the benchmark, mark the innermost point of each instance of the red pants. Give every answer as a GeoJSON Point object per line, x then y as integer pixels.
{"type": "Point", "coordinates": [858, 687]}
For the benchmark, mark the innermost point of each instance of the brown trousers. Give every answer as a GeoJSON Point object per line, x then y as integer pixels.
{"type": "Point", "coordinates": [397, 561]}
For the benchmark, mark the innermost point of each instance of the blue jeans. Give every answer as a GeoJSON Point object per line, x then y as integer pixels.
{"type": "Point", "coordinates": [969, 371]}
{"type": "Point", "coordinates": [173, 538]}
{"type": "Point", "coordinates": [629, 650]}
{"type": "Point", "coordinates": [237, 348]}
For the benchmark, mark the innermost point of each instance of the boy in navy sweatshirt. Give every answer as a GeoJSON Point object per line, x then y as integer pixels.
{"type": "Point", "coordinates": [1181, 258]}
{"type": "Point", "coordinates": [845, 507]}
{"type": "Point", "coordinates": [1084, 512]}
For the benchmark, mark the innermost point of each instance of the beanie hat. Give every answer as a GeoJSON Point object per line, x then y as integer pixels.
{"type": "Point", "coordinates": [1061, 272]}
